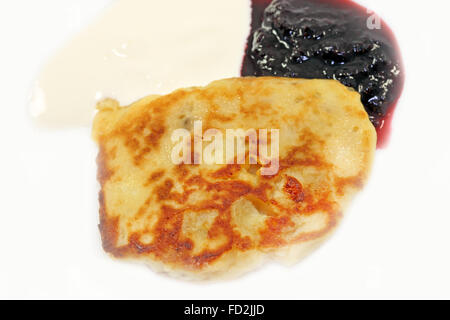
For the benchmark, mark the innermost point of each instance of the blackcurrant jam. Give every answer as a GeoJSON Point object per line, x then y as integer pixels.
{"type": "Point", "coordinates": [328, 39]}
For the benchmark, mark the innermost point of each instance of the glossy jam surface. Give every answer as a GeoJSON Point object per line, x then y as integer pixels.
{"type": "Point", "coordinates": [328, 39]}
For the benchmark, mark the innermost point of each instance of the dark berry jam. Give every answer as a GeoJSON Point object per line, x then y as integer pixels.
{"type": "Point", "coordinates": [328, 39]}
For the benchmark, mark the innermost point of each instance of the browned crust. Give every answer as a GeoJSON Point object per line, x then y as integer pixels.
{"type": "Point", "coordinates": [169, 245]}
{"type": "Point", "coordinates": [168, 238]}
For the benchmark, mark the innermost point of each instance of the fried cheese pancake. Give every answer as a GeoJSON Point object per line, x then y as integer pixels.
{"type": "Point", "coordinates": [205, 221]}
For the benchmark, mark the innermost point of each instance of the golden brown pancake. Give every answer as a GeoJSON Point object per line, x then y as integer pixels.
{"type": "Point", "coordinates": [208, 221]}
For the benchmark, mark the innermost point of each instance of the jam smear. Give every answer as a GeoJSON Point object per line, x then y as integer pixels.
{"type": "Point", "coordinates": [328, 39]}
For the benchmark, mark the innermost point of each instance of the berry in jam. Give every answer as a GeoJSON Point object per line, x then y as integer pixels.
{"type": "Point", "coordinates": [328, 39]}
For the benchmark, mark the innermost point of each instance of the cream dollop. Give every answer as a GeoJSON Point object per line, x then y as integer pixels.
{"type": "Point", "coordinates": [141, 47]}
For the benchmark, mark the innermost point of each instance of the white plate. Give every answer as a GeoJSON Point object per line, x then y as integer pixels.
{"type": "Point", "coordinates": [393, 243]}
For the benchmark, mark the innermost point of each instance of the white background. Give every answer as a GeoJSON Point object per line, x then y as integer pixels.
{"type": "Point", "coordinates": [393, 243]}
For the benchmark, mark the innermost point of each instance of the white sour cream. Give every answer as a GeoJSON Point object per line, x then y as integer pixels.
{"type": "Point", "coordinates": [141, 47]}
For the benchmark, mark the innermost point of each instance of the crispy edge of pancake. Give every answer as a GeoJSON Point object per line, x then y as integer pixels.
{"type": "Point", "coordinates": [288, 254]}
